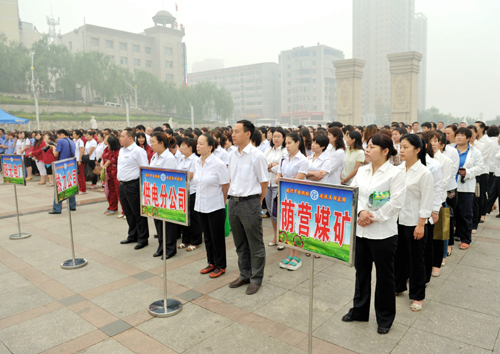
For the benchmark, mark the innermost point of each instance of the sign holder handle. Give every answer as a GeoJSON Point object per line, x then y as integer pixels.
{"type": "Point", "coordinates": [165, 307]}
{"type": "Point", "coordinates": [311, 297]}
{"type": "Point", "coordinates": [19, 235]}
{"type": "Point", "coordinates": [73, 263]}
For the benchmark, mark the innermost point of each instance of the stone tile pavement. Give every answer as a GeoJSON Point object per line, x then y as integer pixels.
{"type": "Point", "coordinates": [102, 308]}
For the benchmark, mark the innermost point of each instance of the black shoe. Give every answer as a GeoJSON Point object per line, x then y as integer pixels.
{"type": "Point", "coordinates": [238, 282]}
{"type": "Point", "coordinates": [481, 221]}
{"type": "Point", "coordinates": [124, 242]}
{"type": "Point", "coordinates": [347, 318]}
{"type": "Point", "coordinates": [459, 239]}
{"type": "Point", "coordinates": [53, 212]}
{"type": "Point", "coordinates": [73, 209]}
{"type": "Point", "coordinates": [168, 256]}
{"type": "Point", "coordinates": [140, 245]}
{"type": "Point", "coordinates": [498, 216]}
{"type": "Point", "coordinates": [157, 254]}
{"type": "Point", "coordinates": [382, 330]}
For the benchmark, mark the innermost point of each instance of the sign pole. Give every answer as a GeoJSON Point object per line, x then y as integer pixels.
{"type": "Point", "coordinates": [74, 262]}
{"type": "Point", "coordinates": [311, 297]}
{"type": "Point", "coordinates": [19, 235]}
{"type": "Point", "coordinates": [166, 307]}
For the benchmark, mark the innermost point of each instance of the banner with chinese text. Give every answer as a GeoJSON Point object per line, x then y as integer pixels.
{"type": "Point", "coordinates": [165, 194]}
{"type": "Point", "coordinates": [65, 178]}
{"type": "Point", "coordinates": [13, 169]}
{"type": "Point", "coordinates": [318, 218]}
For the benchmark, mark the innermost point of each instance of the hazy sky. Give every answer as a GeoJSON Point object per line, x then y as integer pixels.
{"type": "Point", "coordinates": [463, 73]}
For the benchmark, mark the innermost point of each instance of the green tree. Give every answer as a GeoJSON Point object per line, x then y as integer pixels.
{"type": "Point", "coordinates": [14, 66]}
{"type": "Point", "coordinates": [224, 105]}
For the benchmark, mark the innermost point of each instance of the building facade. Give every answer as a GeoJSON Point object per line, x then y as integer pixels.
{"type": "Point", "coordinates": [158, 50]}
{"type": "Point", "coordinates": [12, 26]}
{"type": "Point", "coordinates": [308, 84]}
{"type": "Point", "coordinates": [207, 65]}
{"type": "Point", "coordinates": [255, 89]}
{"type": "Point", "coordinates": [420, 45]}
{"type": "Point", "coordinates": [381, 28]}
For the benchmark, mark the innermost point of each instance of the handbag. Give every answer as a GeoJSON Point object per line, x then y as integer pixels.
{"type": "Point", "coordinates": [97, 170]}
{"type": "Point", "coordinates": [85, 159]}
{"type": "Point", "coordinates": [478, 190]}
{"type": "Point", "coordinates": [442, 227]}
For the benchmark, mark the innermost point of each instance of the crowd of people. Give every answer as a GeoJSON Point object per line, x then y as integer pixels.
{"type": "Point", "coordinates": [421, 189]}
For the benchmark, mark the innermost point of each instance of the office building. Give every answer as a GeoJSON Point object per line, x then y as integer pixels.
{"type": "Point", "coordinates": [308, 84]}
{"type": "Point", "coordinates": [12, 26]}
{"type": "Point", "coordinates": [255, 89]}
{"type": "Point", "coordinates": [382, 27]}
{"type": "Point", "coordinates": [158, 50]}
{"type": "Point", "coordinates": [207, 65]}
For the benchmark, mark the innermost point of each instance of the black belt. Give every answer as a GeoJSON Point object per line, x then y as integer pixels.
{"type": "Point", "coordinates": [129, 182]}
{"type": "Point", "coordinates": [240, 199]}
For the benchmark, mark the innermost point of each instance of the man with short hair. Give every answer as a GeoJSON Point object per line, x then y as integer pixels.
{"type": "Point", "coordinates": [65, 149]}
{"type": "Point", "coordinates": [426, 127]}
{"type": "Point", "coordinates": [463, 125]}
{"type": "Point", "coordinates": [130, 159]}
{"type": "Point", "coordinates": [440, 126]}
{"type": "Point", "coordinates": [166, 126]}
{"type": "Point", "coordinates": [149, 132]}
{"type": "Point", "coordinates": [249, 180]}
{"type": "Point", "coordinates": [414, 127]}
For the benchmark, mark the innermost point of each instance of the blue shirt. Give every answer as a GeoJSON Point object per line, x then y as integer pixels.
{"type": "Point", "coordinates": [66, 148]}
{"type": "Point", "coordinates": [11, 146]}
{"type": "Point", "coordinates": [2, 142]}
{"type": "Point", "coordinates": [463, 157]}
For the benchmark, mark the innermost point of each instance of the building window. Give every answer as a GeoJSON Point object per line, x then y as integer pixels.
{"type": "Point", "coordinates": [136, 48]}
{"type": "Point", "coordinates": [124, 60]}
{"type": "Point", "coordinates": [169, 51]}
{"type": "Point", "coordinates": [94, 42]}
{"type": "Point", "coordinates": [169, 77]}
{"type": "Point", "coordinates": [123, 46]}
{"type": "Point", "coordinates": [137, 62]}
{"type": "Point", "coordinates": [109, 44]}
{"type": "Point", "coordinates": [169, 64]}
{"type": "Point", "coordinates": [149, 64]}
{"type": "Point", "coordinates": [148, 50]}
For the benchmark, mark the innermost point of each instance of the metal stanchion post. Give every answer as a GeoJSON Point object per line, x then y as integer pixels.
{"type": "Point", "coordinates": [165, 307]}
{"type": "Point", "coordinates": [74, 262]}
{"type": "Point", "coordinates": [311, 297]}
{"type": "Point", "coordinates": [20, 234]}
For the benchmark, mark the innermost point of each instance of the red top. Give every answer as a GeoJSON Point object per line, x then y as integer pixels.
{"type": "Point", "coordinates": [48, 157]}
{"type": "Point", "coordinates": [112, 156]}
{"type": "Point", "coordinates": [84, 139]}
{"type": "Point", "coordinates": [149, 151]}
{"type": "Point", "coordinates": [37, 151]}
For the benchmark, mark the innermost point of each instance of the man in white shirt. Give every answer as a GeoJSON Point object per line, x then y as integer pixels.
{"type": "Point", "coordinates": [130, 159]}
{"type": "Point", "coordinates": [414, 128]}
{"type": "Point", "coordinates": [249, 179]}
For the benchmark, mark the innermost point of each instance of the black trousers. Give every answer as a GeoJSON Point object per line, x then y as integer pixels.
{"type": "Point", "coordinates": [429, 252]}
{"type": "Point", "coordinates": [382, 253]}
{"type": "Point", "coordinates": [215, 240]}
{"type": "Point", "coordinates": [480, 202]}
{"type": "Point", "coordinates": [463, 216]}
{"type": "Point", "coordinates": [493, 194]}
{"type": "Point", "coordinates": [170, 237]}
{"type": "Point", "coordinates": [452, 203]}
{"type": "Point", "coordinates": [138, 230]}
{"type": "Point", "coordinates": [91, 164]}
{"type": "Point", "coordinates": [491, 180]}
{"type": "Point", "coordinates": [192, 234]}
{"type": "Point", "coordinates": [410, 262]}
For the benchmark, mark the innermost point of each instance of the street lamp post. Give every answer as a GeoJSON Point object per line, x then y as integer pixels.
{"type": "Point", "coordinates": [34, 93]}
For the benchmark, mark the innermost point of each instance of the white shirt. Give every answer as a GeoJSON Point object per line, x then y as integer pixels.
{"type": "Point", "coordinates": [89, 145]}
{"type": "Point", "coordinates": [148, 139]}
{"type": "Point", "coordinates": [99, 150]}
{"type": "Point", "coordinates": [232, 148]}
{"type": "Point", "coordinates": [484, 145]}
{"type": "Point", "coordinates": [78, 144]}
{"type": "Point", "coordinates": [222, 154]}
{"type": "Point", "coordinates": [264, 146]}
{"type": "Point", "coordinates": [274, 156]}
{"type": "Point", "coordinates": [494, 150]}
{"type": "Point", "coordinates": [446, 172]}
{"type": "Point", "coordinates": [130, 160]}
{"type": "Point", "coordinates": [189, 164]}
{"type": "Point", "coordinates": [337, 160]}
{"type": "Point", "coordinates": [419, 195]}
{"type": "Point", "coordinates": [20, 145]}
{"type": "Point", "coordinates": [387, 178]}
{"type": "Point", "coordinates": [474, 166]}
{"type": "Point", "coordinates": [497, 162]}
{"type": "Point", "coordinates": [209, 179]}
{"type": "Point", "coordinates": [452, 154]}
{"type": "Point", "coordinates": [247, 171]}
{"type": "Point", "coordinates": [178, 156]}
{"type": "Point", "coordinates": [322, 163]}
{"type": "Point", "coordinates": [437, 175]}
{"type": "Point", "coordinates": [165, 160]}
{"type": "Point", "coordinates": [289, 168]}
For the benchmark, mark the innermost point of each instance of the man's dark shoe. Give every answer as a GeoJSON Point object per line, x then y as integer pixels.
{"type": "Point", "coordinates": [168, 256]}
{"type": "Point", "coordinates": [252, 288]}
{"type": "Point", "coordinates": [237, 283]}
{"type": "Point", "coordinates": [73, 209]}
{"type": "Point", "coordinates": [140, 245]}
{"type": "Point", "coordinates": [347, 318]}
{"type": "Point", "coordinates": [498, 216]}
{"type": "Point", "coordinates": [124, 242]}
{"type": "Point", "coordinates": [157, 254]}
{"type": "Point", "coordinates": [382, 330]}
{"type": "Point", "coordinates": [53, 212]}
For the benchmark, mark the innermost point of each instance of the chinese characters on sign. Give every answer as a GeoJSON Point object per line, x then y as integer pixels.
{"type": "Point", "coordinates": [13, 171]}
{"type": "Point", "coordinates": [66, 178]}
{"type": "Point", "coordinates": [164, 194]}
{"type": "Point", "coordinates": [317, 217]}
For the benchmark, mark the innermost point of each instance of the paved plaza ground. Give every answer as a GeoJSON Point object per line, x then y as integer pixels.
{"type": "Point", "coordinates": [102, 308]}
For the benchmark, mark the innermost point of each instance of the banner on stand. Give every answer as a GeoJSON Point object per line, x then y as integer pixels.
{"type": "Point", "coordinates": [65, 178]}
{"type": "Point", "coordinates": [318, 218]}
{"type": "Point", "coordinates": [165, 194]}
{"type": "Point", "coordinates": [13, 169]}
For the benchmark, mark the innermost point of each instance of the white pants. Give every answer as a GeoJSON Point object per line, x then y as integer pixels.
{"type": "Point", "coordinates": [41, 168]}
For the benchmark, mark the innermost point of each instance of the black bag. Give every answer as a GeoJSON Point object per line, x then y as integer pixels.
{"type": "Point", "coordinates": [85, 159]}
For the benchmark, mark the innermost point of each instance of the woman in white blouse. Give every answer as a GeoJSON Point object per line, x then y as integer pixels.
{"type": "Point", "coordinates": [79, 151]}
{"type": "Point", "coordinates": [90, 149]}
{"type": "Point", "coordinates": [337, 154]}
{"type": "Point", "coordinates": [192, 235]}
{"type": "Point", "coordinates": [23, 144]}
{"type": "Point", "coordinates": [274, 155]}
{"type": "Point", "coordinates": [212, 183]}
{"type": "Point", "coordinates": [319, 161]}
{"type": "Point", "coordinates": [382, 193]}
{"type": "Point", "coordinates": [410, 254]}
{"type": "Point", "coordinates": [354, 157]}
{"type": "Point", "coordinates": [163, 158]}
{"type": "Point", "coordinates": [293, 165]}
